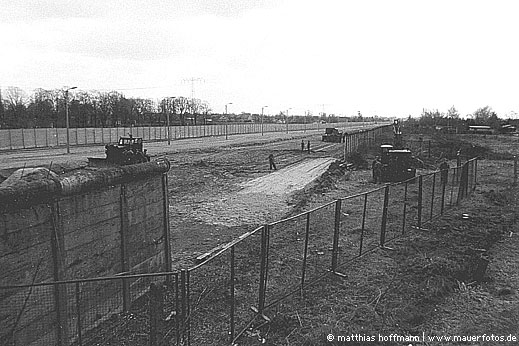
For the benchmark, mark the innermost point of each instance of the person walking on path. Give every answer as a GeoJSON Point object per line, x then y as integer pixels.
{"type": "Point", "coordinates": [302, 145]}
{"type": "Point", "coordinates": [308, 146]}
{"type": "Point", "coordinates": [376, 170]}
{"type": "Point", "coordinates": [272, 164]}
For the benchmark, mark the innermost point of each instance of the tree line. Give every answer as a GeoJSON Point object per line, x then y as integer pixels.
{"type": "Point", "coordinates": [47, 108]}
{"type": "Point", "coordinates": [451, 118]}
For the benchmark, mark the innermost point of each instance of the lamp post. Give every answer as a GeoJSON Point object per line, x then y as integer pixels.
{"type": "Point", "coordinates": [167, 118]}
{"type": "Point", "coordinates": [262, 119]}
{"type": "Point", "coordinates": [66, 118]}
{"type": "Point", "coordinates": [286, 118]}
{"type": "Point", "coordinates": [226, 132]}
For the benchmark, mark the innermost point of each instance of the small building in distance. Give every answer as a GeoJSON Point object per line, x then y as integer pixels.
{"type": "Point", "coordinates": [481, 129]}
{"type": "Point", "coordinates": [446, 129]}
{"type": "Point", "coordinates": [507, 128]}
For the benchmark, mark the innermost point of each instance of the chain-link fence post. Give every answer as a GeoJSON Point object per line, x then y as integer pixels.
{"type": "Point", "coordinates": [404, 212]}
{"type": "Point", "coordinates": [432, 196]}
{"type": "Point", "coordinates": [515, 170]}
{"type": "Point", "coordinates": [305, 251]}
{"type": "Point", "coordinates": [444, 185]}
{"type": "Point", "coordinates": [363, 223]}
{"type": "Point", "coordinates": [232, 308]}
{"type": "Point", "coordinates": [420, 197]}
{"type": "Point", "coordinates": [336, 229]}
{"type": "Point", "coordinates": [263, 267]}
{"type": "Point", "coordinates": [383, 224]}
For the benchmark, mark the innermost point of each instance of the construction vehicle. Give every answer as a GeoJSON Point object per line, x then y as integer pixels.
{"type": "Point", "coordinates": [331, 134]}
{"type": "Point", "coordinates": [396, 162]}
{"type": "Point", "coordinates": [127, 151]}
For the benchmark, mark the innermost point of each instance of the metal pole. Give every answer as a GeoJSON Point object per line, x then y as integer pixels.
{"type": "Point", "coordinates": [67, 119]}
{"type": "Point", "coordinates": [475, 173]}
{"type": "Point", "coordinates": [286, 119]}
{"type": "Point", "coordinates": [432, 195]}
{"type": "Point", "coordinates": [420, 195]}
{"type": "Point", "coordinates": [384, 217]}
{"type": "Point", "coordinates": [177, 308]}
{"type": "Point", "coordinates": [262, 120]}
{"type": "Point", "coordinates": [515, 170]}
{"type": "Point", "coordinates": [452, 185]}
{"type": "Point", "coordinates": [307, 235]}
{"type": "Point", "coordinates": [444, 185]}
{"type": "Point", "coordinates": [263, 260]}
{"type": "Point", "coordinates": [335, 248]}
{"type": "Point", "coordinates": [405, 208]}
{"type": "Point", "coordinates": [363, 223]}
{"type": "Point", "coordinates": [231, 318]}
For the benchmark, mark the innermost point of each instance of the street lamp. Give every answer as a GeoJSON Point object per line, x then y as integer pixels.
{"type": "Point", "coordinates": [286, 118]}
{"type": "Point", "coordinates": [262, 119]}
{"type": "Point", "coordinates": [230, 103]}
{"type": "Point", "coordinates": [167, 117]}
{"type": "Point", "coordinates": [226, 133]}
{"type": "Point", "coordinates": [66, 118]}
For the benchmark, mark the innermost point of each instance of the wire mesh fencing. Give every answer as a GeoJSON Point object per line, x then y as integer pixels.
{"type": "Point", "coordinates": [229, 294]}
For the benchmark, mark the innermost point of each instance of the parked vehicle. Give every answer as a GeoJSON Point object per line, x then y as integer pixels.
{"type": "Point", "coordinates": [127, 151]}
{"type": "Point", "coordinates": [331, 134]}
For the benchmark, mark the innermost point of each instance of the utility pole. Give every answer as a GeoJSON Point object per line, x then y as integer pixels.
{"type": "Point", "coordinates": [286, 118]}
{"type": "Point", "coordinates": [192, 80]}
{"type": "Point", "coordinates": [262, 119]}
{"type": "Point", "coordinates": [169, 101]}
{"type": "Point", "coordinates": [66, 118]}
{"type": "Point", "coordinates": [1, 108]}
{"type": "Point", "coordinates": [226, 129]}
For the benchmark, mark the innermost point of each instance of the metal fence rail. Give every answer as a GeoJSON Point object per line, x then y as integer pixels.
{"type": "Point", "coordinates": [217, 301]}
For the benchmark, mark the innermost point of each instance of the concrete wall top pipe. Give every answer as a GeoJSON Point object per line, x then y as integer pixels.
{"type": "Point", "coordinates": [29, 187]}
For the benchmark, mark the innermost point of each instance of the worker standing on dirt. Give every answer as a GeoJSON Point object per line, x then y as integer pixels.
{"type": "Point", "coordinates": [444, 168]}
{"type": "Point", "coordinates": [308, 146]}
{"type": "Point", "coordinates": [272, 164]}
{"type": "Point", "coordinates": [302, 145]}
{"type": "Point", "coordinates": [376, 168]}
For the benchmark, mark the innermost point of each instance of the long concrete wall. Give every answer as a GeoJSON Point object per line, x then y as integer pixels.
{"type": "Point", "coordinates": [90, 223]}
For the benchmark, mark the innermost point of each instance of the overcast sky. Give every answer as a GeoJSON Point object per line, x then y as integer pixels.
{"type": "Point", "coordinates": [384, 57]}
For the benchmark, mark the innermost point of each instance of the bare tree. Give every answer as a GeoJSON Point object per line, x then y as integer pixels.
{"type": "Point", "coordinates": [182, 105]}
{"type": "Point", "coordinates": [16, 107]}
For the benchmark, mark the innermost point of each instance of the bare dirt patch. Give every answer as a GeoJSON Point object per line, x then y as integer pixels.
{"type": "Point", "coordinates": [262, 199]}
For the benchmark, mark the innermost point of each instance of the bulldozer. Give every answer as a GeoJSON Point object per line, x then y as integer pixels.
{"type": "Point", "coordinates": [127, 151]}
{"type": "Point", "coordinates": [331, 134]}
{"type": "Point", "coordinates": [396, 162]}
